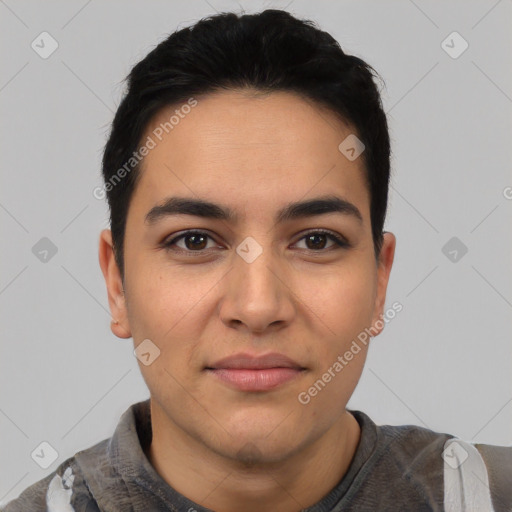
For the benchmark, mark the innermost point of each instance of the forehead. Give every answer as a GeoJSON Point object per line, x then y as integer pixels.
{"type": "Point", "coordinates": [237, 144]}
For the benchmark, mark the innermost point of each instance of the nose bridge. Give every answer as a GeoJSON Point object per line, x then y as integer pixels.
{"type": "Point", "coordinates": [258, 295]}
{"type": "Point", "coordinates": [253, 262]}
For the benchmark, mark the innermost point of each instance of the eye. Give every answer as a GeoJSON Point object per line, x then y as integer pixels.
{"type": "Point", "coordinates": [197, 241]}
{"type": "Point", "coordinates": [194, 241]}
{"type": "Point", "coordinates": [315, 240]}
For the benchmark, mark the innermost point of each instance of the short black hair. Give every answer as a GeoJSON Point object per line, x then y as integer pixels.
{"type": "Point", "coordinates": [263, 52]}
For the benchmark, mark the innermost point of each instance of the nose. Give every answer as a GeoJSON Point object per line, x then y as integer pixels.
{"type": "Point", "coordinates": [257, 297]}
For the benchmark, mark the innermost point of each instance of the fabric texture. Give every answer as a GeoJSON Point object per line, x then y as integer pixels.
{"type": "Point", "coordinates": [394, 468]}
{"type": "Point", "coordinates": [466, 482]}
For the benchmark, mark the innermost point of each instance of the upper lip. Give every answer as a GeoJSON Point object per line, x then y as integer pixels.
{"type": "Point", "coordinates": [251, 362]}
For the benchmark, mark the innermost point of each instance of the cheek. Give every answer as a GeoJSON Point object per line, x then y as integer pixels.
{"type": "Point", "coordinates": [343, 300]}
{"type": "Point", "coordinates": [353, 303]}
{"type": "Point", "coordinates": [342, 303]}
{"type": "Point", "coordinates": [163, 300]}
{"type": "Point", "coordinates": [343, 311]}
{"type": "Point", "coordinates": [166, 308]}
{"type": "Point", "coordinates": [171, 307]}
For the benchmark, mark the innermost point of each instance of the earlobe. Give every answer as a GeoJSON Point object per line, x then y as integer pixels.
{"type": "Point", "coordinates": [119, 330]}
{"type": "Point", "coordinates": [116, 295]}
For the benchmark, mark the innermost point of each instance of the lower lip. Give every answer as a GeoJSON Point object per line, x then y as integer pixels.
{"type": "Point", "coordinates": [256, 380]}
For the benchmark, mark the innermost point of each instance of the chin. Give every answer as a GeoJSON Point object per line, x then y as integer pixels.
{"type": "Point", "coordinates": [259, 453]}
{"type": "Point", "coordinates": [257, 447]}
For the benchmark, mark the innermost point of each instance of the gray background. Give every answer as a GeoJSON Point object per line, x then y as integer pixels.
{"type": "Point", "coordinates": [443, 363]}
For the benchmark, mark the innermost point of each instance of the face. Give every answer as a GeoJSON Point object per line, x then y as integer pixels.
{"type": "Point", "coordinates": [298, 288]}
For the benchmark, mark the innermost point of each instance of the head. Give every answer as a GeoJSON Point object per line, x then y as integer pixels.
{"type": "Point", "coordinates": [225, 128]}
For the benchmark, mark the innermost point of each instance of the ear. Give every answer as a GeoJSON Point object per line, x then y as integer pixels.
{"type": "Point", "coordinates": [386, 256]}
{"type": "Point", "coordinates": [112, 275]}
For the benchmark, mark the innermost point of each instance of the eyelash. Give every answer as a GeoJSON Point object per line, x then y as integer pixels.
{"type": "Point", "coordinates": [338, 240]}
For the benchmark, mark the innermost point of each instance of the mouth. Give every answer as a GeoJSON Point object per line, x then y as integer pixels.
{"type": "Point", "coordinates": [246, 372]}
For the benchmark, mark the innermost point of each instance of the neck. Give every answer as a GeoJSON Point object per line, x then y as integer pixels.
{"type": "Point", "coordinates": [227, 485]}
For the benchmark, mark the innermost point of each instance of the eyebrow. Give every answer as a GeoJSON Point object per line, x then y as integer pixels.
{"type": "Point", "coordinates": [208, 210]}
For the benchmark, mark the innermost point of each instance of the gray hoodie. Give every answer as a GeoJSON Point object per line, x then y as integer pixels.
{"type": "Point", "coordinates": [394, 468]}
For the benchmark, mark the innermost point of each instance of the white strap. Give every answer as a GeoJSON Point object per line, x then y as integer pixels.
{"type": "Point", "coordinates": [466, 483]}
{"type": "Point", "coordinates": [60, 490]}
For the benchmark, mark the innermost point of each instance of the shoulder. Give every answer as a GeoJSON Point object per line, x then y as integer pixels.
{"type": "Point", "coordinates": [409, 446]}
{"type": "Point", "coordinates": [432, 460]}
{"type": "Point", "coordinates": [94, 477]}
{"type": "Point", "coordinates": [479, 474]}
{"type": "Point", "coordinates": [416, 452]}
{"type": "Point", "coordinates": [402, 464]}
{"type": "Point", "coordinates": [63, 490]}
{"type": "Point", "coordinates": [498, 461]}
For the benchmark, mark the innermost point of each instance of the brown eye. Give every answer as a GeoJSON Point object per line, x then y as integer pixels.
{"type": "Point", "coordinates": [193, 241]}
{"type": "Point", "coordinates": [196, 241]}
{"type": "Point", "coordinates": [316, 241]}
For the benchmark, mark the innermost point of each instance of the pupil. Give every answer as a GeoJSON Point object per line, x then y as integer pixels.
{"type": "Point", "coordinates": [194, 244]}
{"type": "Point", "coordinates": [315, 237]}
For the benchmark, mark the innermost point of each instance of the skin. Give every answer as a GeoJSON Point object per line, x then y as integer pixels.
{"type": "Point", "coordinates": [254, 154]}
